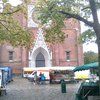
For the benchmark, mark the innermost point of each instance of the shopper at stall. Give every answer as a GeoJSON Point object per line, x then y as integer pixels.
{"type": "Point", "coordinates": [35, 78]}
{"type": "Point", "coordinates": [42, 78]}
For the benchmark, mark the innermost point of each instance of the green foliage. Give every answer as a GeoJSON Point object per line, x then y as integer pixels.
{"type": "Point", "coordinates": [27, 1]}
{"type": "Point", "coordinates": [11, 31]}
{"type": "Point", "coordinates": [54, 35]}
{"type": "Point", "coordinates": [54, 12]}
{"type": "Point", "coordinates": [90, 57]}
{"type": "Point", "coordinates": [49, 16]}
{"type": "Point", "coordinates": [4, 1]}
{"type": "Point", "coordinates": [87, 36]}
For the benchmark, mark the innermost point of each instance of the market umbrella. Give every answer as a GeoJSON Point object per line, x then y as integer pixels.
{"type": "Point", "coordinates": [86, 66]}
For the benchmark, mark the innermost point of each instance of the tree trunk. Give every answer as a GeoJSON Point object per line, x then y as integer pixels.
{"type": "Point", "coordinates": [98, 42]}
{"type": "Point", "coordinates": [96, 27]}
{"type": "Point", "coordinates": [97, 31]}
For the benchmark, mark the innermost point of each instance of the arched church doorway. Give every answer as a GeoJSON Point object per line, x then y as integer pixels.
{"type": "Point", "coordinates": [40, 60]}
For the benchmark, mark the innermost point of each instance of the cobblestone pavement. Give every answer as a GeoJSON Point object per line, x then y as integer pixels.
{"type": "Point", "coordinates": [22, 89]}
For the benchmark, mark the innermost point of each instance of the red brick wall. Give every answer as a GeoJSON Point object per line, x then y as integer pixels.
{"type": "Point", "coordinates": [19, 58]}
{"type": "Point", "coordinates": [72, 32]}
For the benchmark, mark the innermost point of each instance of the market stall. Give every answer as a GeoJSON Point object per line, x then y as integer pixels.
{"type": "Point", "coordinates": [90, 87]}
{"type": "Point", "coordinates": [87, 71]}
{"type": "Point", "coordinates": [2, 82]}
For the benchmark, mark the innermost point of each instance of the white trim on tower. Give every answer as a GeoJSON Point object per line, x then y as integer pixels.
{"type": "Point", "coordinates": [40, 46]}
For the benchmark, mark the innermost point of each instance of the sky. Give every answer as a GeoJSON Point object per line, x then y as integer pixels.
{"type": "Point", "coordinates": [15, 2]}
{"type": "Point", "coordinates": [90, 46]}
{"type": "Point", "coordinates": [86, 47]}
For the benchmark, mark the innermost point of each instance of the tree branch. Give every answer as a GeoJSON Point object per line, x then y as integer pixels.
{"type": "Point", "coordinates": [5, 27]}
{"type": "Point", "coordinates": [11, 12]}
{"type": "Point", "coordinates": [94, 11]}
{"type": "Point", "coordinates": [69, 15]}
{"type": "Point", "coordinates": [85, 8]}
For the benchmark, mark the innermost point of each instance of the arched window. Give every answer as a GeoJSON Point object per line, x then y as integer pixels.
{"type": "Point", "coordinates": [40, 60]}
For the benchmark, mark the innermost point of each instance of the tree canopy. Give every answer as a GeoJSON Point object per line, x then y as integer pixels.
{"type": "Point", "coordinates": [87, 36]}
{"type": "Point", "coordinates": [11, 30]}
{"type": "Point", "coordinates": [90, 57]}
{"type": "Point", "coordinates": [54, 12]}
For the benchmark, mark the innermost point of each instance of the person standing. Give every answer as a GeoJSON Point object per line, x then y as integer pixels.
{"type": "Point", "coordinates": [42, 78]}
{"type": "Point", "coordinates": [35, 78]}
{"type": "Point", "coordinates": [51, 78]}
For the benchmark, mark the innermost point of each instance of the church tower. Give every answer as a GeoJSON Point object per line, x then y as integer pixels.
{"type": "Point", "coordinates": [68, 53]}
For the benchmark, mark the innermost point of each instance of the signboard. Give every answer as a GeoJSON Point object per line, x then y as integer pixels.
{"type": "Point", "coordinates": [0, 78]}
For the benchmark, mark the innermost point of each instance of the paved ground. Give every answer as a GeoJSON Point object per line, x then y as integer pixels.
{"type": "Point", "coordinates": [22, 89]}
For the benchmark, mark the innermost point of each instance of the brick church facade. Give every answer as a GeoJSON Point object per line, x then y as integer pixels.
{"type": "Point", "coordinates": [42, 54]}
